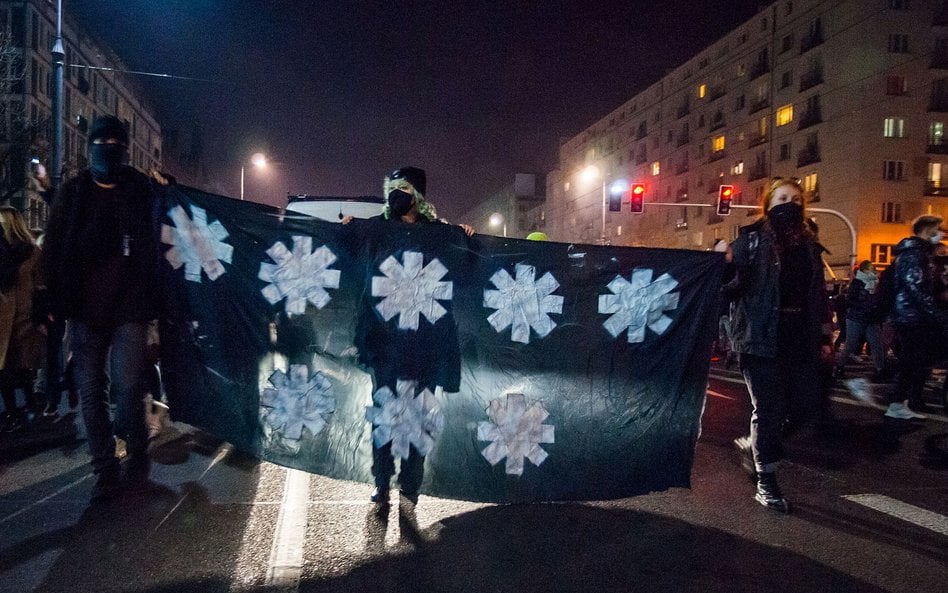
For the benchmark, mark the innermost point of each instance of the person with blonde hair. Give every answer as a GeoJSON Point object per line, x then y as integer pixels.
{"type": "Point", "coordinates": [780, 326]}
{"type": "Point", "coordinates": [21, 340]}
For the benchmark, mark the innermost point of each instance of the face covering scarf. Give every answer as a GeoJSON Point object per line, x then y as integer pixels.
{"type": "Point", "coordinates": [105, 161]}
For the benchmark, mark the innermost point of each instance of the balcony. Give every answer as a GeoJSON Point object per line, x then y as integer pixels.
{"type": "Point", "coordinates": [810, 79]}
{"type": "Point", "coordinates": [810, 117]}
{"type": "Point", "coordinates": [717, 122]}
{"type": "Point", "coordinates": [681, 168]}
{"type": "Point", "coordinates": [811, 40]}
{"type": "Point", "coordinates": [758, 171]}
{"type": "Point", "coordinates": [717, 155]}
{"type": "Point", "coordinates": [939, 60]}
{"type": "Point", "coordinates": [641, 158]}
{"type": "Point", "coordinates": [716, 92]}
{"type": "Point", "coordinates": [808, 155]}
{"type": "Point", "coordinates": [682, 139]}
{"type": "Point", "coordinates": [935, 188]}
{"type": "Point", "coordinates": [937, 146]}
{"type": "Point", "coordinates": [682, 195]}
{"type": "Point", "coordinates": [758, 105]}
{"type": "Point", "coordinates": [758, 70]}
{"type": "Point", "coordinates": [938, 103]}
{"type": "Point", "coordinates": [756, 140]}
{"type": "Point", "coordinates": [683, 110]}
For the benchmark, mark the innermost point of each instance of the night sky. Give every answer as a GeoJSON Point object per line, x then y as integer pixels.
{"type": "Point", "coordinates": [340, 92]}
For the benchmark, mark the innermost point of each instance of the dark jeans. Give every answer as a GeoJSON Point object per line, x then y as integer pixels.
{"type": "Point", "coordinates": [858, 333]}
{"type": "Point", "coordinates": [56, 331]}
{"type": "Point", "coordinates": [412, 469]}
{"type": "Point", "coordinates": [779, 388]}
{"type": "Point", "coordinates": [122, 351]}
{"type": "Point", "coordinates": [10, 380]}
{"type": "Point", "coordinates": [918, 347]}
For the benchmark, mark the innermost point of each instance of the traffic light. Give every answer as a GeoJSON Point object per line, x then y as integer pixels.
{"type": "Point", "coordinates": [725, 195]}
{"type": "Point", "coordinates": [615, 202]}
{"type": "Point", "coordinates": [637, 197]}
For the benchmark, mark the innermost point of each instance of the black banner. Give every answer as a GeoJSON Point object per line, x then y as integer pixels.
{"type": "Point", "coordinates": [524, 370]}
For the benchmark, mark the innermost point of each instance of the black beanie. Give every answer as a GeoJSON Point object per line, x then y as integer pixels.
{"type": "Point", "coordinates": [413, 175]}
{"type": "Point", "coordinates": [108, 126]}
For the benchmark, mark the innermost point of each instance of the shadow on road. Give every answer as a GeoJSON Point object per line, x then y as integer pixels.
{"type": "Point", "coordinates": [543, 548]}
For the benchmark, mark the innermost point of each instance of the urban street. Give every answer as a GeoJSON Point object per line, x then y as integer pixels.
{"type": "Point", "coordinates": [869, 513]}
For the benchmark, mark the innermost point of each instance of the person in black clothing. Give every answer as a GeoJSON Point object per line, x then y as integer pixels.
{"type": "Point", "coordinates": [919, 322]}
{"type": "Point", "coordinates": [780, 326]}
{"type": "Point", "coordinates": [862, 327]}
{"type": "Point", "coordinates": [101, 262]}
{"type": "Point", "coordinates": [396, 355]}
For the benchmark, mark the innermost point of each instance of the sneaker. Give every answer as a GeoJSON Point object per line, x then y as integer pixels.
{"type": "Point", "coordinates": [11, 423]}
{"type": "Point", "coordinates": [51, 414]}
{"type": "Point", "coordinates": [746, 456]}
{"type": "Point", "coordinates": [380, 496]}
{"type": "Point", "coordinates": [768, 493]}
{"type": "Point", "coordinates": [861, 389]}
{"type": "Point", "coordinates": [900, 411]}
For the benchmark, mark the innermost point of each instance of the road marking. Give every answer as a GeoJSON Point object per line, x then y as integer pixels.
{"type": "Point", "coordinates": [286, 555]}
{"type": "Point", "coordinates": [714, 393]}
{"type": "Point", "coordinates": [903, 510]}
{"type": "Point", "coordinates": [222, 452]}
{"type": "Point", "coordinates": [44, 499]}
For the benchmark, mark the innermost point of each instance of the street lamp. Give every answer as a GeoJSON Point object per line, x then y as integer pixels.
{"type": "Point", "coordinates": [258, 160]}
{"type": "Point", "coordinates": [496, 220]}
{"type": "Point", "coordinates": [592, 173]}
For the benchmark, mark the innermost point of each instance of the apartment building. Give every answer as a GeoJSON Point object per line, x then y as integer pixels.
{"type": "Point", "coordinates": [516, 210]}
{"type": "Point", "coordinates": [27, 32]}
{"type": "Point", "coordinates": [849, 96]}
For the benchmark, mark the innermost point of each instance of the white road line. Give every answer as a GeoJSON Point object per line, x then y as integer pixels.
{"type": "Point", "coordinates": [714, 393]}
{"type": "Point", "coordinates": [902, 510]}
{"type": "Point", "coordinates": [286, 555]}
{"type": "Point", "coordinates": [45, 498]}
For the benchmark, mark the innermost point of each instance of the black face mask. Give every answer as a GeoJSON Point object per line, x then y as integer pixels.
{"type": "Point", "coordinates": [399, 202]}
{"type": "Point", "coordinates": [786, 217]}
{"type": "Point", "coordinates": [106, 160]}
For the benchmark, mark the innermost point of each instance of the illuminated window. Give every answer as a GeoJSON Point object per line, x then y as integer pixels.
{"type": "Point", "coordinates": [881, 253]}
{"type": "Point", "coordinates": [738, 168]}
{"type": "Point", "coordinates": [934, 174]}
{"type": "Point", "coordinates": [809, 182]}
{"type": "Point", "coordinates": [893, 127]}
{"type": "Point", "coordinates": [702, 91]}
{"type": "Point", "coordinates": [784, 115]}
{"type": "Point", "coordinates": [717, 143]}
{"type": "Point", "coordinates": [936, 133]}
{"type": "Point", "coordinates": [656, 168]}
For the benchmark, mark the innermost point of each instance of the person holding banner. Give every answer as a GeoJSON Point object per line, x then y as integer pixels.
{"type": "Point", "coordinates": [101, 261]}
{"type": "Point", "coordinates": [427, 356]}
{"type": "Point", "coordinates": [781, 327]}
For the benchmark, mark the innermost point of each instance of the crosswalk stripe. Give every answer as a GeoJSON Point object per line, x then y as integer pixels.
{"type": "Point", "coordinates": [902, 510]}
{"type": "Point", "coordinates": [286, 555]}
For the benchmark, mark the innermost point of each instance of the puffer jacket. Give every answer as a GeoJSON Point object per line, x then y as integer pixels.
{"type": "Point", "coordinates": [755, 294]}
{"type": "Point", "coordinates": [914, 285]}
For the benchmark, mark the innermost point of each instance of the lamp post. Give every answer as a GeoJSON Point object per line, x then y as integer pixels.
{"type": "Point", "coordinates": [59, 59]}
{"type": "Point", "coordinates": [258, 160]}
{"type": "Point", "coordinates": [496, 220]}
{"type": "Point", "coordinates": [592, 173]}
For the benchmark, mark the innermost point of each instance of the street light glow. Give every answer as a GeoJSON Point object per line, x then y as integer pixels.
{"type": "Point", "coordinates": [590, 173]}
{"type": "Point", "coordinates": [258, 159]}
{"type": "Point", "coordinates": [496, 219]}
{"type": "Point", "coordinates": [618, 186]}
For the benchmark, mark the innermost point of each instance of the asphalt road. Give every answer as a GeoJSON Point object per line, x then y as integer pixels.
{"type": "Point", "coordinates": [870, 513]}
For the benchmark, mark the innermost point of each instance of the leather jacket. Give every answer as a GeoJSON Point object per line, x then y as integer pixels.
{"type": "Point", "coordinates": [914, 284]}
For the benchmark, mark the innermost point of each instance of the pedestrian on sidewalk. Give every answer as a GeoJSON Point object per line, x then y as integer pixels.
{"type": "Point", "coordinates": [781, 325]}
{"type": "Point", "coordinates": [22, 339]}
{"type": "Point", "coordinates": [861, 326]}
{"type": "Point", "coordinates": [101, 261]}
{"type": "Point", "coordinates": [920, 323]}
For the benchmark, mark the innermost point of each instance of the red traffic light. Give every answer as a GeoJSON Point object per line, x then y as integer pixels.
{"type": "Point", "coordinates": [725, 195]}
{"type": "Point", "coordinates": [637, 197]}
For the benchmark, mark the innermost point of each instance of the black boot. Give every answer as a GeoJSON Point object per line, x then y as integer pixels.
{"type": "Point", "coordinates": [107, 484]}
{"type": "Point", "coordinates": [380, 496]}
{"type": "Point", "coordinates": [768, 493]}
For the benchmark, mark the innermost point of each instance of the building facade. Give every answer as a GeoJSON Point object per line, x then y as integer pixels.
{"type": "Point", "coordinates": [27, 32]}
{"type": "Point", "coordinates": [514, 211]}
{"type": "Point", "coordinates": [849, 97]}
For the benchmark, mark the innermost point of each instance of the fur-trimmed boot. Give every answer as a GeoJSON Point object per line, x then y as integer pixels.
{"type": "Point", "coordinates": [768, 493]}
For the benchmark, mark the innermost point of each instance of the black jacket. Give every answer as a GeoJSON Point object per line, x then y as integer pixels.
{"type": "Point", "coordinates": [120, 251]}
{"type": "Point", "coordinates": [755, 293]}
{"type": "Point", "coordinates": [859, 300]}
{"type": "Point", "coordinates": [914, 284]}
